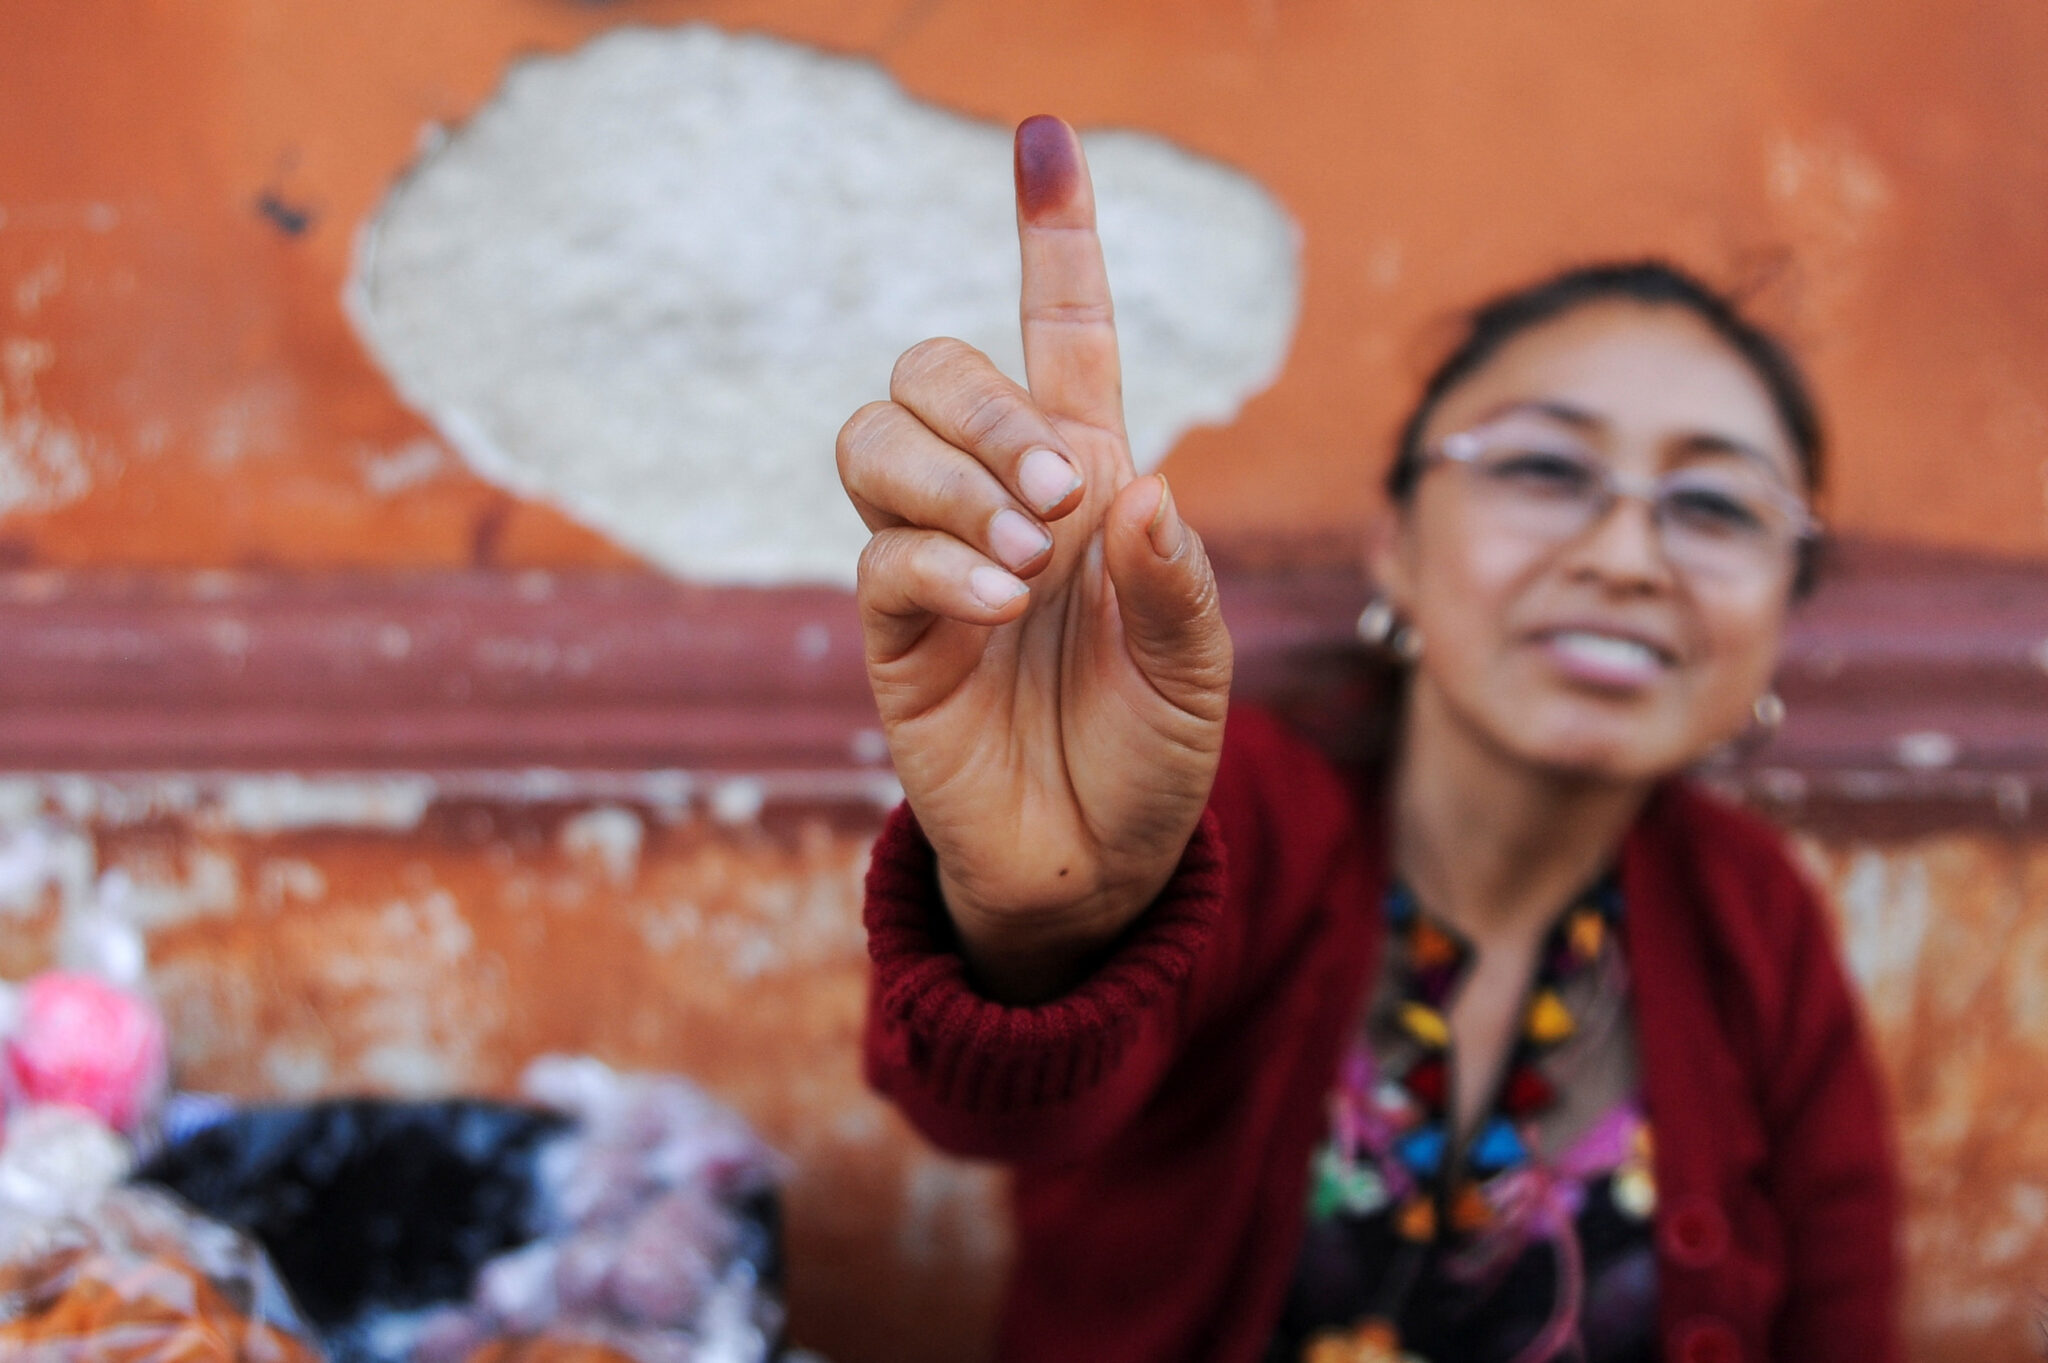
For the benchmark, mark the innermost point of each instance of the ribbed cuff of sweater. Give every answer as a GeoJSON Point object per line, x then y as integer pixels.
{"type": "Point", "coordinates": [974, 1055]}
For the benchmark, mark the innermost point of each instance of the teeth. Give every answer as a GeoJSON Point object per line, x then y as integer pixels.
{"type": "Point", "coordinates": [1607, 651]}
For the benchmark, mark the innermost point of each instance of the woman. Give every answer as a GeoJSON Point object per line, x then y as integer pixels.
{"type": "Point", "coordinates": [1517, 1049]}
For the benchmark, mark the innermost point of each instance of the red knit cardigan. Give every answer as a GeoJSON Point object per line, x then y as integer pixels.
{"type": "Point", "coordinates": [1160, 1116]}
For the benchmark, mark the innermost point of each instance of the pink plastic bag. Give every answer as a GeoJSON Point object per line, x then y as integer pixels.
{"type": "Point", "coordinates": [80, 1040]}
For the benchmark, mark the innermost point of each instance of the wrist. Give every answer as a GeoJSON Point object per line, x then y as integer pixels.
{"type": "Point", "coordinates": [1030, 954]}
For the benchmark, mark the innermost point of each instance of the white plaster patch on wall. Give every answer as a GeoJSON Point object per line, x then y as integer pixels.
{"type": "Point", "coordinates": [21, 799]}
{"type": "Point", "coordinates": [277, 804]}
{"type": "Point", "coordinates": [45, 461]}
{"type": "Point", "coordinates": [422, 1002]}
{"type": "Point", "coordinates": [296, 1068]}
{"type": "Point", "coordinates": [211, 1015]}
{"type": "Point", "coordinates": [282, 881]}
{"type": "Point", "coordinates": [1886, 910]}
{"type": "Point", "coordinates": [152, 893]}
{"type": "Point", "coordinates": [253, 422]}
{"type": "Point", "coordinates": [389, 472]}
{"type": "Point", "coordinates": [652, 277]}
{"type": "Point", "coordinates": [40, 856]}
{"type": "Point", "coordinates": [608, 837]}
{"type": "Point", "coordinates": [1830, 199]}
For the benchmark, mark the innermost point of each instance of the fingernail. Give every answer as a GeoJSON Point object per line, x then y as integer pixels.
{"type": "Point", "coordinates": [993, 587]}
{"type": "Point", "coordinates": [1015, 538]}
{"type": "Point", "coordinates": [1047, 480]}
{"type": "Point", "coordinates": [1046, 166]}
{"type": "Point", "coordinates": [1167, 531]}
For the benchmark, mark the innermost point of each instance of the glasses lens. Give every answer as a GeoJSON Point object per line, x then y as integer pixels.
{"type": "Point", "coordinates": [1719, 521]}
{"type": "Point", "coordinates": [1730, 522]}
{"type": "Point", "coordinates": [1546, 489]}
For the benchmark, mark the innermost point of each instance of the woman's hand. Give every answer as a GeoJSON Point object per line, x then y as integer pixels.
{"type": "Point", "coordinates": [1057, 740]}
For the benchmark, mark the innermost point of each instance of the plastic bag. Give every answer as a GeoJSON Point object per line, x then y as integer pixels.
{"type": "Point", "coordinates": [87, 1035]}
{"type": "Point", "coordinates": [369, 1209]}
{"type": "Point", "coordinates": [57, 1161]}
{"type": "Point", "coordinates": [662, 1242]}
{"type": "Point", "coordinates": [138, 1278]}
{"type": "Point", "coordinates": [622, 1219]}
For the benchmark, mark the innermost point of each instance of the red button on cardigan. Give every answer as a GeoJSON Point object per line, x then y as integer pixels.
{"type": "Point", "coordinates": [1695, 1233]}
{"type": "Point", "coordinates": [1705, 1340]}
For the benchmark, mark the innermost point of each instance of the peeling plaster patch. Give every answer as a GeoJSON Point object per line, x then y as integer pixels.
{"type": "Point", "coordinates": [2016, 1233]}
{"type": "Point", "coordinates": [813, 642]}
{"type": "Point", "coordinates": [295, 1069]}
{"type": "Point", "coordinates": [21, 799]}
{"type": "Point", "coordinates": [1926, 750]}
{"type": "Point", "coordinates": [420, 1003]}
{"type": "Point", "coordinates": [738, 800]}
{"type": "Point", "coordinates": [115, 803]}
{"type": "Point", "coordinates": [608, 836]}
{"type": "Point", "coordinates": [667, 928]}
{"type": "Point", "coordinates": [651, 278]}
{"type": "Point", "coordinates": [152, 894]}
{"type": "Point", "coordinates": [277, 804]}
{"type": "Point", "coordinates": [410, 1070]}
{"type": "Point", "coordinates": [210, 1014]}
{"type": "Point", "coordinates": [253, 423]}
{"type": "Point", "coordinates": [667, 793]}
{"type": "Point", "coordinates": [1886, 911]}
{"type": "Point", "coordinates": [432, 925]}
{"type": "Point", "coordinates": [45, 462]}
{"type": "Point", "coordinates": [35, 286]}
{"type": "Point", "coordinates": [869, 747]}
{"type": "Point", "coordinates": [284, 880]}
{"type": "Point", "coordinates": [1830, 198]}
{"type": "Point", "coordinates": [387, 473]}
{"type": "Point", "coordinates": [38, 857]}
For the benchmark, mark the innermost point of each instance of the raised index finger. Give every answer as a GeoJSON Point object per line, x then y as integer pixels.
{"type": "Point", "coordinates": [1070, 357]}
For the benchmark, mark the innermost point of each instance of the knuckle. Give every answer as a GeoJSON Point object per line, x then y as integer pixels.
{"type": "Point", "coordinates": [878, 557]}
{"type": "Point", "coordinates": [954, 488]}
{"type": "Point", "coordinates": [994, 416]}
{"type": "Point", "coordinates": [861, 430]}
{"type": "Point", "coordinates": [922, 359]}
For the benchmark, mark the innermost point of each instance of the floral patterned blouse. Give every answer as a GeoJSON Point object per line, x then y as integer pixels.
{"type": "Point", "coordinates": [1529, 1241]}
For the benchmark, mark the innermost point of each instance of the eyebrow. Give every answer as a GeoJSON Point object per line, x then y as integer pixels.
{"type": "Point", "coordinates": [1699, 442]}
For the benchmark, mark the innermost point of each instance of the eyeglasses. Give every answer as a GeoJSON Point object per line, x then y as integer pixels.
{"type": "Point", "coordinates": [1727, 520]}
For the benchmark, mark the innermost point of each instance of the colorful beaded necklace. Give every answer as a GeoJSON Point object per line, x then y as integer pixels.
{"type": "Point", "coordinates": [1435, 961]}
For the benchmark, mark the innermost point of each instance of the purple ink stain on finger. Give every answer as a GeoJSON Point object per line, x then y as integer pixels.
{"type": "Point", "coordinates": [1047, 167]}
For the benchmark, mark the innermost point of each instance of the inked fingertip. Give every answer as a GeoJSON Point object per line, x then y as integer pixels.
{"type": "Point", "coordinates": [1048, 167]}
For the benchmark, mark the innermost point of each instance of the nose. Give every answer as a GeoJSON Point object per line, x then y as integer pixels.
{"type": "Point", "coordinates": [1623, 543]}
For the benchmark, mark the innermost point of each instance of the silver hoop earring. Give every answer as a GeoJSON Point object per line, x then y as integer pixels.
{"type": "Point", "coordinates": [1376, 622]}
{"type": "Point", "coordinates": [1768, 710]}
{"type": "Point", "coordinates": [1406, 643]}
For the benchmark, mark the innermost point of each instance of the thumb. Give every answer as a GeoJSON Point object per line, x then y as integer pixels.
{"type": "Point", "coordinates": [1166, 595]}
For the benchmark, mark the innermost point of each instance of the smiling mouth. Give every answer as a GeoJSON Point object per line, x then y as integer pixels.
{"type": "Point", "coordinates": [1606, 659]}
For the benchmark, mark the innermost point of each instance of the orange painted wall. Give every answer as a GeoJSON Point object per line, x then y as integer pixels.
{"type": "Point", "coordinates": [1879, 173]}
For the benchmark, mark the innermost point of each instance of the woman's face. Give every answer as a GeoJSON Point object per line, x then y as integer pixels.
{"type": "Point", "coordinates": [1592, 654]}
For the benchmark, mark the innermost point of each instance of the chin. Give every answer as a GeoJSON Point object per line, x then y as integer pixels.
{"type": "Point", "coordinates": [1606, 748]}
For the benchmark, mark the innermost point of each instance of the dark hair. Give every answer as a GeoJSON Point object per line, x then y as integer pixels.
{"type": "Point", "coordinates": [1653, 283]}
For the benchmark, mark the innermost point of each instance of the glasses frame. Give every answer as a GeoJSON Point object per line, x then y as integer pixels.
{"type": "Point", "coordinates": [1464, 448]}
